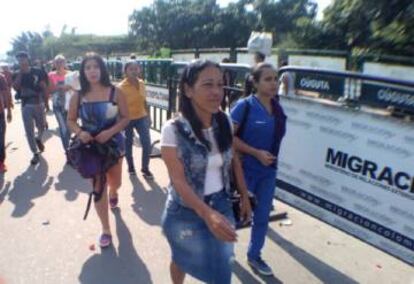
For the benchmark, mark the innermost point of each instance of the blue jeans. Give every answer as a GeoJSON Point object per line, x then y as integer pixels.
{"type": "Point", "coordinates": [33, 114]}
{"type": "Point", "coordinates": [262, 185]}
{"type": "Point", "coordinates": [142, 126]}
{"type": "Point", "coordinates": [61, 117]}
{"type": "Point", "coordinates": [194, 248]}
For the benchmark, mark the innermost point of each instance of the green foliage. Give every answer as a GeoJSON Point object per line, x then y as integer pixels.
{"type": "Point", "coordinates": [185, 24]}
{"type": "Point", "coordinates": [380, 26]}
{"type": "Point", "coordinates": [385, 26]}
{"type": "Point", "coordinates": [47, 46]}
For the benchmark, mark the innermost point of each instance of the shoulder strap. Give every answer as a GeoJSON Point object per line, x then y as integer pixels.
{"type": "Point", "coordinates": [79, 99]}
{"type": "Point", "coordinates": [242, 125]}
{"type": "Point", "coordinates": [112, 95]}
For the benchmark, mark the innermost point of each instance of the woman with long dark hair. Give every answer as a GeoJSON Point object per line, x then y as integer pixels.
{"type": "Point", "coordinates": [259, 123]}
{"type": "Point", "coordinates": [103, 112]}
{"type": "Point", "coordinates": [197, 150]}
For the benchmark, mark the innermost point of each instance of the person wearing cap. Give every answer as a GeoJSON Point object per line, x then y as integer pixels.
{"type": "Point", "coordinates": [30, 85]}
{"type": "Point", "coordinates": [58, 89]}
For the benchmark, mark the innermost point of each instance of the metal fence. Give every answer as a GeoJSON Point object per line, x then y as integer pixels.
{"type": "Point", "coordinates": [391, 96]}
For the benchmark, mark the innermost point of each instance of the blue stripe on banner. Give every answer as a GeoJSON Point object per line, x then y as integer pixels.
{"type": "Point", "coordinates": [349, 215]}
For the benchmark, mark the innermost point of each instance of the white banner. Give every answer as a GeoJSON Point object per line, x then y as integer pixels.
{"type": "Point", "coordinates": [352, 169]}
{"type": "Point", "coordinates": [183, 57]}
{"type": "Point", "coordinates": [157, 96]}
{"type": "Point", "coordinates": [389, 70]}
{"type": "Point", "coordinates": [248, 58]}
{"type": "Point", "coordinates": [321, 62]}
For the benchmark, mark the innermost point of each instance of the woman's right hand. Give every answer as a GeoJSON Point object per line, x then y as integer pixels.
{"type": "Point", "coordinates": [85, 137]}
{"type": "Point", "coordinates": [265, 157]}
{"type": "Point", "coordinates": [221, 228]}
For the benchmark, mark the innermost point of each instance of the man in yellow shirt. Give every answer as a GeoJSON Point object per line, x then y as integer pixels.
{"type": "Point", "coordinates": [134, 91]}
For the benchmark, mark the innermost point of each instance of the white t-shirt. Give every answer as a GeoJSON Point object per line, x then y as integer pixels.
{"type": "Point", "coordinates": [290, 78]}
{"type": "Point", "coordinates": [214, 180]}
{"type": "Point", "coordinates": [71, 79]}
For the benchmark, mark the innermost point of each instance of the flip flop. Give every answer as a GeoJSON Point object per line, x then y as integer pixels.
{"type": "Point", "coordinates": [105, 240]}
{"type": "Point", "coordinates": [113, 202]}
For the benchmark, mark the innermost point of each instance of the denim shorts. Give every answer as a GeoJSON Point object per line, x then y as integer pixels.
{"type": "Point", "coordinates": [194, 248]}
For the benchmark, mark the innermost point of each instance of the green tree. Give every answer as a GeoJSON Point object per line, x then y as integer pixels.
{"type": "Point", "coordinates": [283, 17]}
{"type": "Point", "coordinates": [30, 42]}
{"type": "Point", "coordinates": [383, 26]}
{"type": "Point", "coordinates": [233, 25]}
{"type": "Point", "coordinates": [174, 24]}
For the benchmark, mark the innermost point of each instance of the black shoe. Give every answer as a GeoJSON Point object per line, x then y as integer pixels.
{"type": "Point", "coordinates": [147, 174]}
{"type": "Point", "coordinates": [35, 159]}
{"type": "Point", "coordinates": [131, 170]}
{"type": "Point", "coordinates": [40, 145]}
{"type": "Point", "coordinates": [69, 163]}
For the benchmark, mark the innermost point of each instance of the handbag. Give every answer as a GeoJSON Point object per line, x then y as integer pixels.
{"type": "Point", "coordinates": [93, 160]}
{"type": "Point", "coordinates": [235, 199]}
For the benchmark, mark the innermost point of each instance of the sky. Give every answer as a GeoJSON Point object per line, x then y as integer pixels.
{"type": "Point", "coordinates": [87, 16]}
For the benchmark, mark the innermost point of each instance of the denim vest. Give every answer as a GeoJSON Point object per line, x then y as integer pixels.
{"type": "Point", "coordinates": [194, 156]}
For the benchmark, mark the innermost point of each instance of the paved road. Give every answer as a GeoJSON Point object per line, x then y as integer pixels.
{"type": "Point", "coordinates": [44, 239]}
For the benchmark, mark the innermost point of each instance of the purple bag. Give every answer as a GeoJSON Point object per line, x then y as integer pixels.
{"type": "Point", "coordinates": [92, 161]}
{"type": "Point", "coordinates": [84, 159]}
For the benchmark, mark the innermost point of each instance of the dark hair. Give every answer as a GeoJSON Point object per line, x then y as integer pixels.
{"type": "Point", "coordinates": [254, 77]}
{"type": "Point", "coordinates": [22, 54]}
{"type": "Point", "coordinates": [222, 134]}
{"type": "Point", "coordinates": [104, 79]}
{"type": "Point", "coordinates": [260, 56]}
{"type": "Point", "coordinates": [129, 63]}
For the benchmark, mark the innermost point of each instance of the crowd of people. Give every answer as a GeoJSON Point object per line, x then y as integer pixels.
{"type": "Point", "coordinates": [203, 147]}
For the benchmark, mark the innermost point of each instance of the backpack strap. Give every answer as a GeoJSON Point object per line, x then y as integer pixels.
{"type": "Point", "coordinates": [242, 126]}
{"type": "Point", "coordinates": [112, 95]}
{"type": "Point", "coordinates": [96, 194]}
{"type": "Point", "coordinates": [79, 100]}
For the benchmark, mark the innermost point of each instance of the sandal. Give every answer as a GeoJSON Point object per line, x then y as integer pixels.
{"type": "Point", "coordinates": [105, 240]}
{"type": "Point", "coordinates": [113, 202]}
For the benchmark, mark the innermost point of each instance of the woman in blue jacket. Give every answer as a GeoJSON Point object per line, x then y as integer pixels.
{"type": "Point", "coordinates": [259, 124]}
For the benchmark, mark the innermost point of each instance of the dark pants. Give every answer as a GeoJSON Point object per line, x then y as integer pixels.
{"type": "Point", "coordinates": [33, 114]}
{"type": "Point", "coordinates": [2, 137]}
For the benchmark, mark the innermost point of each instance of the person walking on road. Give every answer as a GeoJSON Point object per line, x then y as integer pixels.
{"type": "Point", "coordinates": [260, 124]}
{"type": "Point", "coordinates": [196, 147]}
{"type": "Point", "coordinates": [5, 103]}
{"type": "Point", "coordinates": [287, 82]}
{"type": "Point", "coordinates": [135, 94]}
{"type": "Point", "coordinates": [30, 86]}
{"type": "Point", "coordinates": [103, 113]}
{"type": "Point", "coordinates": [58, 89]}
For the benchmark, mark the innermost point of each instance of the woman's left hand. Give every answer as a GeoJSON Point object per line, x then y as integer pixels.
{"type": "Point", "coordinates": [103, 137]}
{"type": "Point", "coordinates": [245, 210]}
